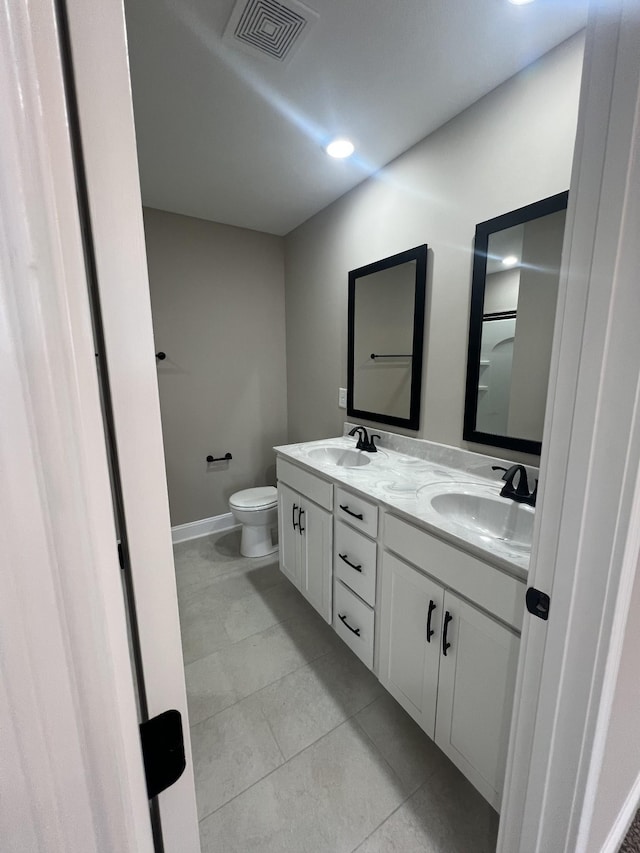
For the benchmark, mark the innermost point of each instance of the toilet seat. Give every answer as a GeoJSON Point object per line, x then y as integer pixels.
{"type": "Point", "coordinates": [262, 497]}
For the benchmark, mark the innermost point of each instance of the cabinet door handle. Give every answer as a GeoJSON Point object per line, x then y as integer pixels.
{"type": "Point", "coordinates": [293, 516]}
{"type": "Point", "coordinates": [343, 619]}
{"type": "Point", "coordinates": [301, 529]}
{"type": "Point", "coordinates": [445, 645]}
{"type": "Point", "coordinates": [343, 557]}
{"type": "Point", "coordinates": [430, 630]}
{"type": "Point", "coordinates": [354, 514]}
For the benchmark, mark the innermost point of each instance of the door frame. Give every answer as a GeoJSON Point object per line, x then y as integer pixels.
{"type": "Point", "coordinates": [586, 543]}
{"type": "Point", "coordinates": [567, 667]}
{"type": "Point", "coordinates": [72, 772]}
{"type": "Point", "coordinates": [103, 132]}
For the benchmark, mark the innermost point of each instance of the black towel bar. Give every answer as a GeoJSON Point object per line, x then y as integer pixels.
{"type": "Point", "coordinates": [391, 355]}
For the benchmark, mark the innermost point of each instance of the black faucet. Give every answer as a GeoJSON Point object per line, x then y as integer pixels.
{"type": "Point", "coordinates": [364, 442]}
{"type": "Point", "coordinates": [519, 493]}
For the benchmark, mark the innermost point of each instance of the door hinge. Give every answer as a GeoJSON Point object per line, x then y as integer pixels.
{"type": "Point", "coordinates": [538, 603]}
{"type": "Point", "coordinates": [162, 751]}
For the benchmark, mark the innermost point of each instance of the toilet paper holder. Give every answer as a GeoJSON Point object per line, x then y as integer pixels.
{"type": "Point", "coordinates": [225, 458]}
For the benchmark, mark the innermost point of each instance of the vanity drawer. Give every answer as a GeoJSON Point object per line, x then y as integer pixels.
{"type": "Point", "coordinates": [354, 561]}
{"type": "Point", "coordinates": [357, 512]}
{"type": "Point", "coordinates": [312, 487]}
{"type": "Point", "coordinates": [353, 621]}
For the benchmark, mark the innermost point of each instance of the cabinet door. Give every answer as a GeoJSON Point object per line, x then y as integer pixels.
{"type": "Point", "coordinates": [316, 557]}
{"type": "Point", "coordinates": [288, 520]}
{"type": "Point", "coordinates": [475, 695]}
{"type": "Point", "coordinates": [411, 618]}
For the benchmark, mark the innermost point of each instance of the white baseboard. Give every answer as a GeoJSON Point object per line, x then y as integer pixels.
{"type": "Point", "coordinates": [623, 821]}
{"type": "Point", "coordinates": [203, 527]}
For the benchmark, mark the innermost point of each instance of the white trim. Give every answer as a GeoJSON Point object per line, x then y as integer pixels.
{"type": "Point", "coordinates": [203, 527]}
{"type": "Point", "coordinates": [624, 820]}
{"type": "Point", "coordinates": [583, 543]}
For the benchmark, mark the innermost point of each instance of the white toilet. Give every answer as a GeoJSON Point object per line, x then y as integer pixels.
{"type": "Point", "coordinates": [257, 512]}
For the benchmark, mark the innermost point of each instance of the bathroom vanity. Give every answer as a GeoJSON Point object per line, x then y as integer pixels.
{"type": "Point", "coordinates": [420, 567]}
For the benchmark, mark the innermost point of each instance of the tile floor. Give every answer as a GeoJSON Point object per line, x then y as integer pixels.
{"type": "Point", "coordinates": [296, 746]}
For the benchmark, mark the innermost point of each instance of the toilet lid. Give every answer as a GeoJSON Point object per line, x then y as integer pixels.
{"type": "Point", "coordinates": [258, 498]}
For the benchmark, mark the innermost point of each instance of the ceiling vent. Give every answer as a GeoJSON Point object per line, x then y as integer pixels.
{"type": "Point", "coordinates": [269, 29]}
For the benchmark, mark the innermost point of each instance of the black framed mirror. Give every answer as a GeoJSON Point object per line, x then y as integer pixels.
{"type": "Point", "coordinates": [516, 269]}
{"type": "Point", "coordinates": [385, 340]}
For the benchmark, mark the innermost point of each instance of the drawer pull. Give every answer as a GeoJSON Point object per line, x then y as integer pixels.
{"type": "Point", "coordinates": [343, 557]}
{"type": "Point", "coordinates": [445, 645]}
{"type": "Point", "coordinates": [430, 630]}
{"type": "Point", "coordinates": [343, 619]}
{"type": "Point", "coordinates": [357, 515]}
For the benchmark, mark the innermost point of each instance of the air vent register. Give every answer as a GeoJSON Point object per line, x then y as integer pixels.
{"type": "Point", "coordinates": [269, 29]}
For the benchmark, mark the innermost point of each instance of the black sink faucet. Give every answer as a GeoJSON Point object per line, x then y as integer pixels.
{"type": "Point", "coordinates": [364, 442]}
{"type": "Point", "coordinates": [520, 492]}
{"type": "Point", "coordinates": [363, 436]}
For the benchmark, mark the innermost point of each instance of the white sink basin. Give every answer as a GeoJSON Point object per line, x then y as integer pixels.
{"type": "Point", "coordinates": [341, 456]}
{"type": "Point", "coordinates": [480, 509]}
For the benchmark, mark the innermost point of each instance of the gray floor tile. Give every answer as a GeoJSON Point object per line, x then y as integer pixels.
{"type": "Point", "coordinates": [231, 751]}
{"type": "Point", "coordinates": [202, 632]}
{"type": "Point", "coordinates": [199, 561]}
{"type": "Point", "coordinates": [253, 613]}
{"type": "Point", "coordinates": [411, 753]}
{"type": "Point", "coordinates": [325, 800]}
{"type": "Point", "coordinates": [218, 680]}
{"type": "Point", "coordinates": [313, 700]}
{"type": "Point", "coordinates": [236, 583]}
{"type": "Point", "coordinates": [445, 815]}
{"type": "Point", "coordinates": [233, 607]}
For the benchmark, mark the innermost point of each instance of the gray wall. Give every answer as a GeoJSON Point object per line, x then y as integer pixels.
{"type": "Point", "coordinates": [501, 291]}
{"type": "Point", "coordinates": [511, 148]}
{"type": "Point", "coordinates": [537, 298]}
{"type": "Point", "coordinates": [217, 295]}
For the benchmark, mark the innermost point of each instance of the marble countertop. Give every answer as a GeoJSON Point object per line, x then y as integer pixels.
{"type": "Point", "coordinates": [406, 484]}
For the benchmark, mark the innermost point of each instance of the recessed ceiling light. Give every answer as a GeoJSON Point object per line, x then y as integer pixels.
{"type": "Point", "coordinates": [510, 261]}
{"type": "Point", "coordinates": [340, 148]}
{"type": "Point", "coordinates": [520, 2]}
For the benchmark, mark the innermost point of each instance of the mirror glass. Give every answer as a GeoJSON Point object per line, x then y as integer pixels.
{"type": "Point", "coordinates": [386, 328]}
{"type": "Point", "coordinates": [513, 304]}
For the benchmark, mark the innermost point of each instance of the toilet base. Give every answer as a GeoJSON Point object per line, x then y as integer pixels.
{"type": "Point", "coordinates": [257, 540]}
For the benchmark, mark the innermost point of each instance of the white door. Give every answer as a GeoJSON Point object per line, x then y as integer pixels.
{"type": "Point", "coordinates": [288, 523]}
{"type": "Point", "coordinates": [475, 694]}
{"type": "Point", "coordinates": [411, 618]}
{"type": "Point", "coordinates": [99, 98]}
{"type": "Point", "coordinates": [316, 556]}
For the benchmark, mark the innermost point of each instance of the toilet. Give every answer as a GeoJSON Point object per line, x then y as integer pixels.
{"type": "Point", "coordinates": [257, 512]}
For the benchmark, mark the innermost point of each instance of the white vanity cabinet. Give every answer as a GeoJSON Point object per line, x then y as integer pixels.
{"type": "Point", "coordinates": [475, 695]}
{"type": "Point", "coordinates": [449, 664]}
{"type": "Point", "coordinates": [306, 534]}
{"type": "Point", "coordinates": [410, 631]}
{"type": "Point", "coordinates": [439, 626]}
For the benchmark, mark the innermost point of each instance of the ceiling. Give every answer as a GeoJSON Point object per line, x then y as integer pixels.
{"type": "Point", "coordinates": [234, 138]}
